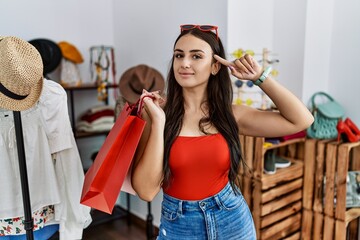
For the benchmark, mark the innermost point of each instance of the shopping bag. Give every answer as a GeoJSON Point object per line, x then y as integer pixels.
{"type": "Point", "coordinates": [106, 176]}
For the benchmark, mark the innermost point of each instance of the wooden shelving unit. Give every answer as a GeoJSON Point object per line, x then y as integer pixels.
{"type": "Point", "coordinates": [84, 87]}
{"type": "Point", "coordinates": [325, 215]}
{"type": "Point", "coordinates": [275, 200]}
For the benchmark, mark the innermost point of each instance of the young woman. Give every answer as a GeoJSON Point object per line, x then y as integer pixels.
{"type": "Point", "coordinates": [191, 149]}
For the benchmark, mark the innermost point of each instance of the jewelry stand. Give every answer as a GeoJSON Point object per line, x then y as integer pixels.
{"type": "Point", "coordinates": [28, 223]}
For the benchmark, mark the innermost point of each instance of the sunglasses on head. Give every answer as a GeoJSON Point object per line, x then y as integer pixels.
{"type": "Point", "coordinates": [204, 28]}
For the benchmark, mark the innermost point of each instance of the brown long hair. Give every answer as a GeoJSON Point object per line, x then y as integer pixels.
{"type": "Point", "coordinates": [218, 103]}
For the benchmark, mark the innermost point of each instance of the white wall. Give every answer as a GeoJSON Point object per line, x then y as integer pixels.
{"type": "Point", "coordinates": [250, 26]}
{"type": "Point", "coordinates": [344, 76]}
{"type": "Point", "coordinates": [319, 24]}
{"type": "Point", "coordinates": [288, 39]}
{"type": "Point", "coordinates": [332, 50]}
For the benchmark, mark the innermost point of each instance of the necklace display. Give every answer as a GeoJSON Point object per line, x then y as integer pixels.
{"type": "Point", "coordinates": [100, 69]}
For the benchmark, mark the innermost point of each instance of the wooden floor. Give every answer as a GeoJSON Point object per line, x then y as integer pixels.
{"type": "Point", "coordinates": [115, 226]}
{"type": "Point", "coordinates": [117, 229]}
{"type": "Point", "coordinates": [120, 225]}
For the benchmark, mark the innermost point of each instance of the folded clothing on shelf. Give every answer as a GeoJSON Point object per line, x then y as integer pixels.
{"type": "Point", "coordinates": [99, 108]}
{"type": "Point", "coordinates": [97, 119]}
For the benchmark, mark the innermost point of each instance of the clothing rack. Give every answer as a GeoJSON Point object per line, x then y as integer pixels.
{"type": "Point", "coordinates": [149, 224]}
{"type": "Point", "coordinates": [28, 223]}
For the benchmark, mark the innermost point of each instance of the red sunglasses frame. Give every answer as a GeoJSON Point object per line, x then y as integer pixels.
{"type": "Point", "coordinates": [208, 28]}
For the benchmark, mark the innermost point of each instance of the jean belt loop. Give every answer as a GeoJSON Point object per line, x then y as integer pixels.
{"type": "Point", "coordinates": [180, 207]}
{"type": "Point", "coordinates": [218, 201]}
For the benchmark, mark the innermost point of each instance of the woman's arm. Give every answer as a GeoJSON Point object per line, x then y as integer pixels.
{"type": "Point", "coordinates": [147, 172]}
{"type": "Point", "coordinates": [292, 117]}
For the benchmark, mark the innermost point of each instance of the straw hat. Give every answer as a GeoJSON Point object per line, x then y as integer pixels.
{"type": "Point", "coordinates": [137, 78]}
{"type": "Point", "coordinates": [70, 52]}
{"type": "Point", "coordinates": [21, 74]}
{"type": "Point", "coordinates": [50, 53]}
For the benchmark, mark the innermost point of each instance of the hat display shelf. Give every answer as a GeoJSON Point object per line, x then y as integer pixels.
{"type": "Point", "coordinates": [72, 90]}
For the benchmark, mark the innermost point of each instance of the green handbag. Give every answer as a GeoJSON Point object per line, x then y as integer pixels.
{"type": "Point", "coordinates": [326, 117]}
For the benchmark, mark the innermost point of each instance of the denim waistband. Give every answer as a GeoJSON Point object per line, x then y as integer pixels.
{"type": "Point", "coordinates": [196, 205]}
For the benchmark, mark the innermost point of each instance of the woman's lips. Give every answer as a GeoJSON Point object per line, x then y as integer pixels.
{"type": "Point", "coordinates": [186, 74]}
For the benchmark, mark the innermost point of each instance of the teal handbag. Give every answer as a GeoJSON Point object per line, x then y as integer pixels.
{"type": "Point", "coordinates": [326, 117]}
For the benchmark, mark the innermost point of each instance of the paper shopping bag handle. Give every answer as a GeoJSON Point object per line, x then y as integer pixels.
{"type": "Point", "coordinates": [138, 105]}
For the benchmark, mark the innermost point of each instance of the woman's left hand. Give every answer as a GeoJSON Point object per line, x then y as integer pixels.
{"type": "Point", "coordinates": [244, 68]}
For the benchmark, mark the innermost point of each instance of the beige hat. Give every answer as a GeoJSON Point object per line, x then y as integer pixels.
{"type": "Point", "coordinates": [21, 74]}
{"type": "Point", "coordinates": [137, 78]}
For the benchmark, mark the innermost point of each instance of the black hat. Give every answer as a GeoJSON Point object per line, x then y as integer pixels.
{"type": "Point", "coordinates": [50, 53]}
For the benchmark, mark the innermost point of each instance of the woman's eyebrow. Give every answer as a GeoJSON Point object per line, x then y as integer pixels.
{"type": "Point", "coordinates": [193, 50]}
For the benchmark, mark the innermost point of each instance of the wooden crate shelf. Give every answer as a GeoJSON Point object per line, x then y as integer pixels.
{"type": "Point", "coordinates": [283, 175]}
{"type": "Point", "coordinates": [307, 224]}
{"type": "Point", "coordinates": [292, 148]}
{"type": "Point", "coordinates": [351, 214]}
{"type": "Point", "coordinates": [281, 214]}
{"type": "Point", "coordinates": [294, 236]}
{"type": "Point", "coordinates": [351, 221]}
{"type": "Point", "coordinates": [275, 200]}
{"type": "Point", "coordinates": [317, 231]}
{"type": "Point", "coordinates": [279, 203]}
{"type": "Point", "coordinates": [281, 190]}
{"type": "Point", "coordinates": [282, 229]}
{"type": "Point", "coordinates": [329, 172]}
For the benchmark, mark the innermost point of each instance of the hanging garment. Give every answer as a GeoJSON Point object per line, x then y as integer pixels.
{"type": "Point", "coordinates": [53, 179]}
{"type": "Point", "coordinates": [72, 215]}
{"type": "Point", "coordinates": [15, 226]}
{"type": "Point", "coordinates": [43, 186]}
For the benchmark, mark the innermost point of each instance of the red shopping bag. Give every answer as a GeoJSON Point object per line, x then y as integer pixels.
{"type": "Point", "coordinates": [104, 179]}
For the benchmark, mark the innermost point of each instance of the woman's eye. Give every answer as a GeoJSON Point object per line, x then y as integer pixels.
{"type": "Point", "coordinates": [177, 55]}
{"type": "Point", "coordinates": [196, 57]}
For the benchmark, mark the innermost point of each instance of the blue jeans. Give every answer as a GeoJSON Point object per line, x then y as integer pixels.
{"type": "Point", "coordinates": [222, 216]}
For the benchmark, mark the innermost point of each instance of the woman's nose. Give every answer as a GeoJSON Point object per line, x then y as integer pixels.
{"type": "Point", "coordinates": [185, 63]}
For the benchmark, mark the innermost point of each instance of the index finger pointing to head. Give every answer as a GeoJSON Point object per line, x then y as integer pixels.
{"type": "Point", "coordinates": [222, 60]}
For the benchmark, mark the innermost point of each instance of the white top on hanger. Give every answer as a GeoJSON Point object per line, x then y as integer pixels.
{"type": "Point", "coordinates": [55, 172]}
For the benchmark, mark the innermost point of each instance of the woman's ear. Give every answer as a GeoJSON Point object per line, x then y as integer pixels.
{"type": "Point", "coordinates": [215, 67]}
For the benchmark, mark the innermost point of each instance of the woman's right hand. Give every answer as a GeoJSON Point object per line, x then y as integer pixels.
{"type": "Point", "coordinates": [152, 102]}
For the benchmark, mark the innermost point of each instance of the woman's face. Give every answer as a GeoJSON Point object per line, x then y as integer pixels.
{"type": "Point", "coordinates": [193, 61]}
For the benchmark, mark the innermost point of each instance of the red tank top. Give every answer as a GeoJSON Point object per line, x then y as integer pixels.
{"type": "Point", "coordinates": [199, 166]}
